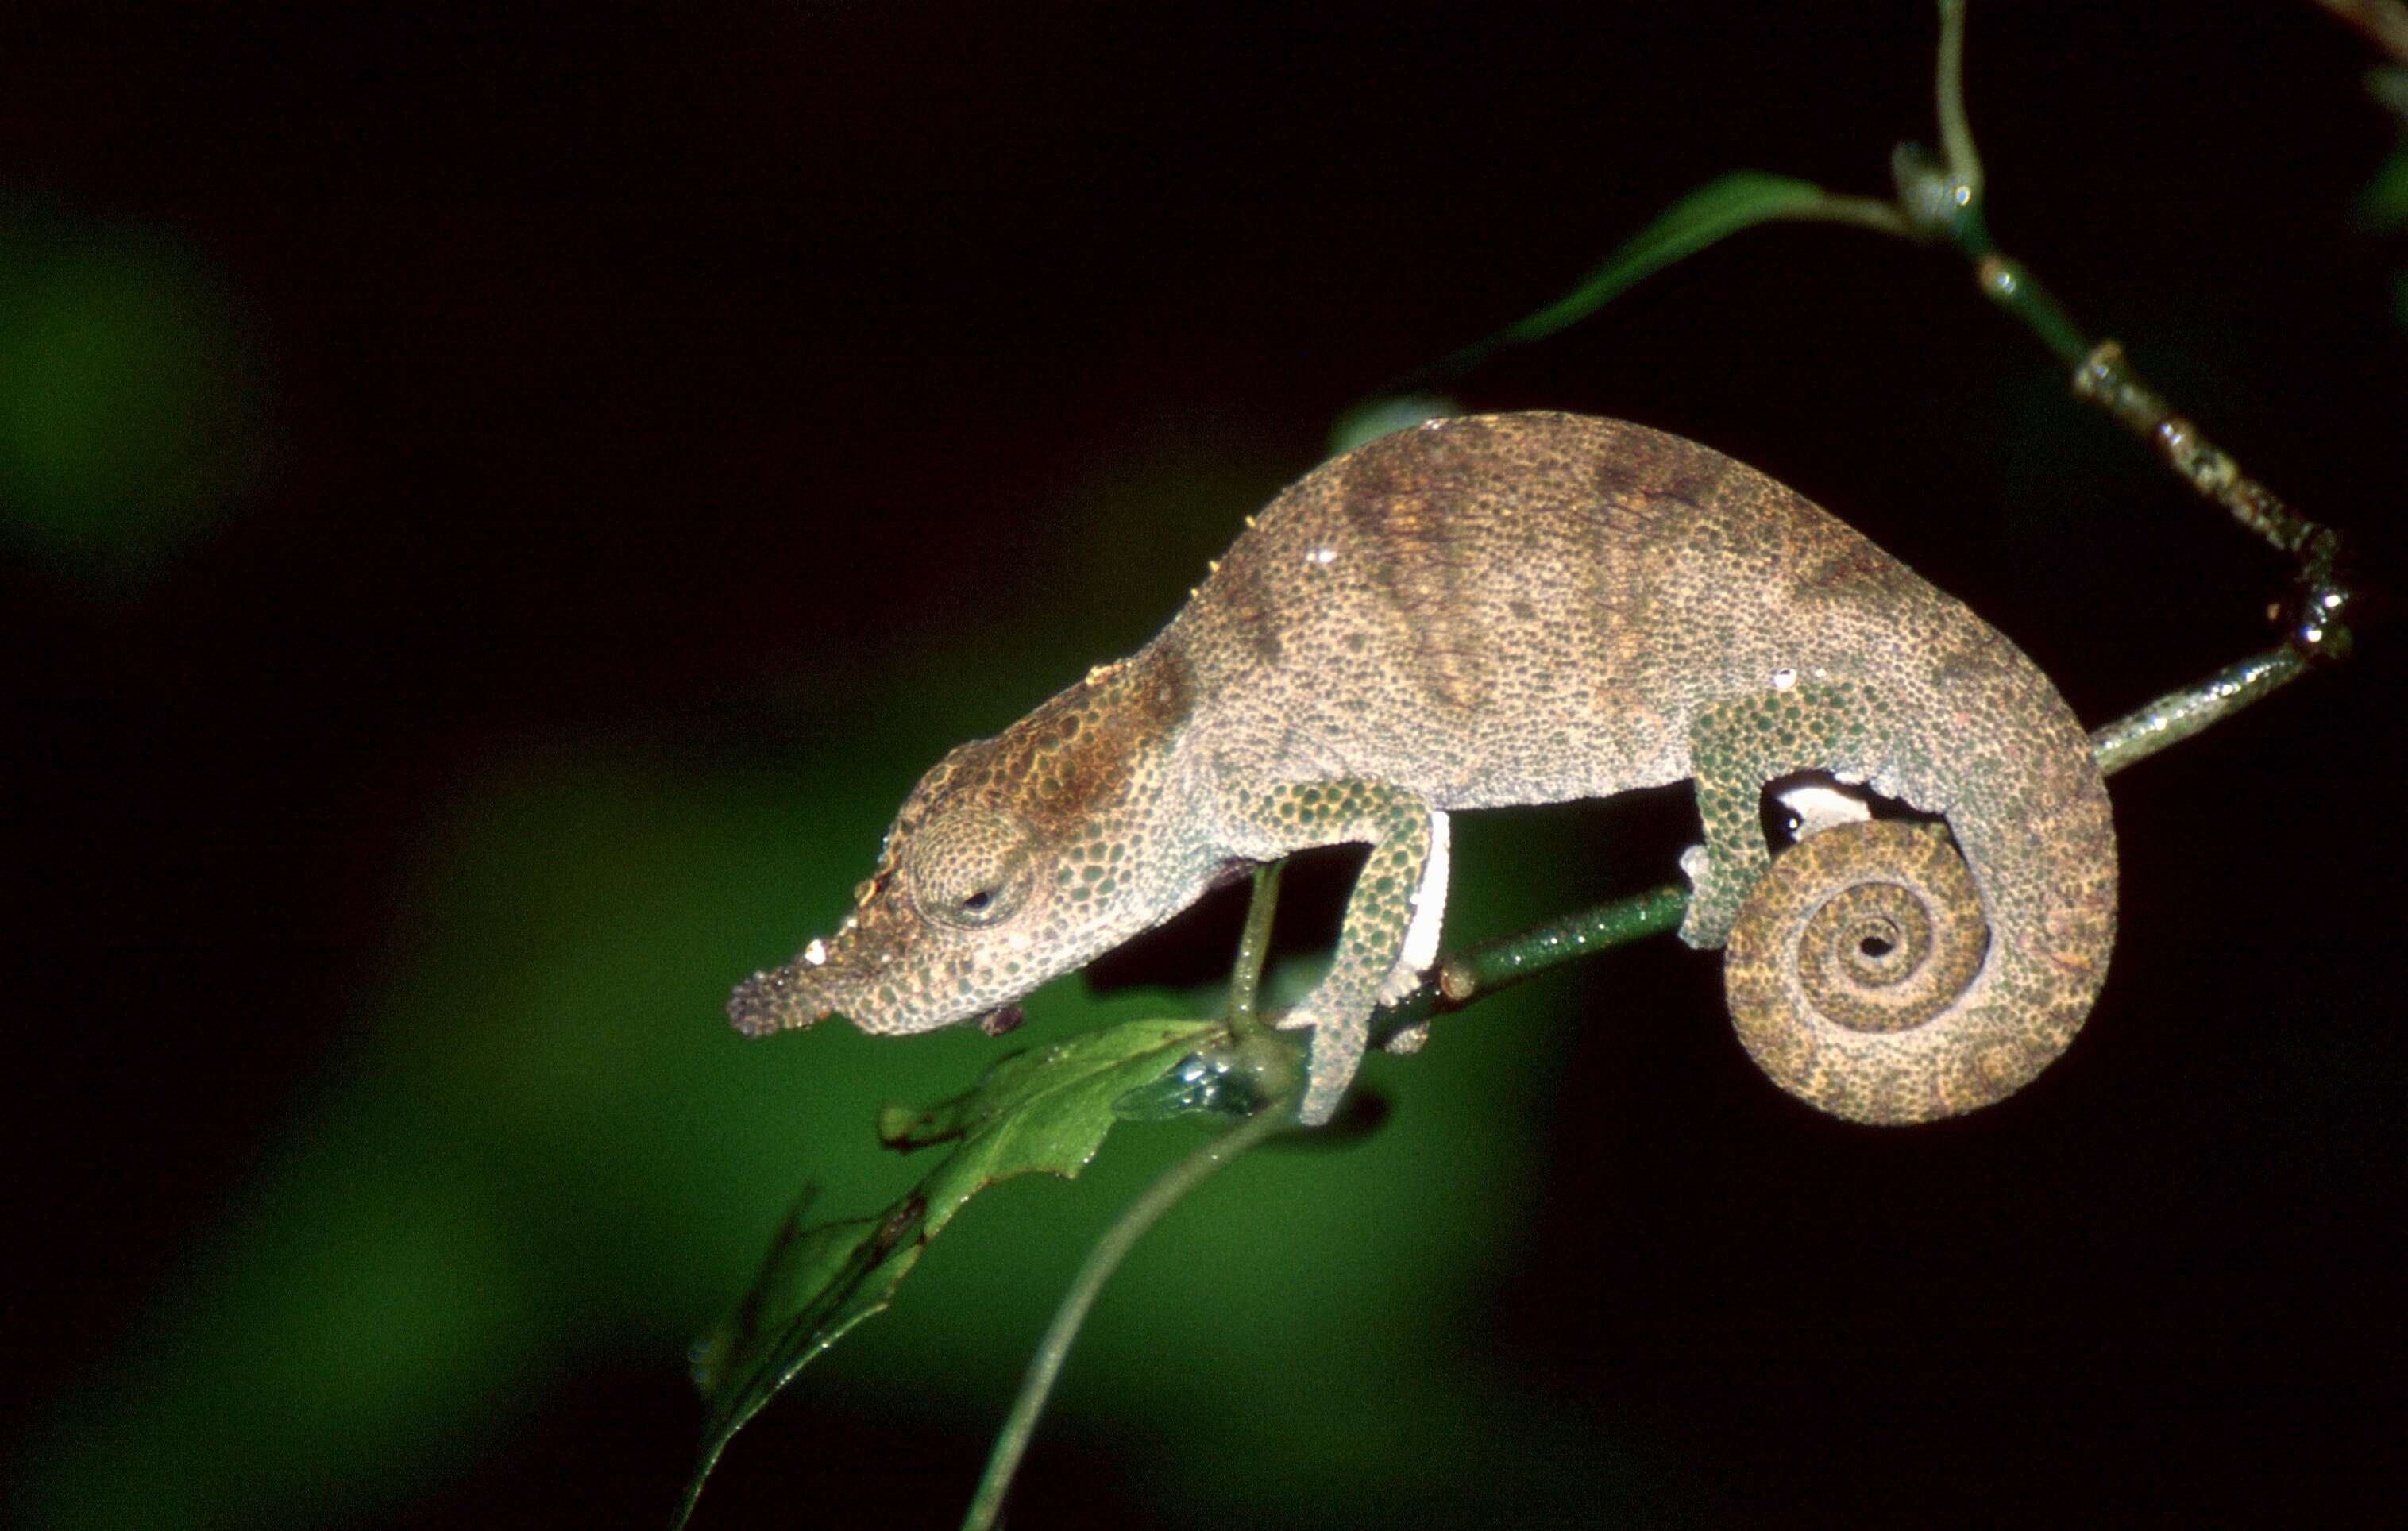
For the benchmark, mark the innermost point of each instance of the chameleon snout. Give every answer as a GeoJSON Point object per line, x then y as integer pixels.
{"type": "Point", "coordinates": [785, 1000]}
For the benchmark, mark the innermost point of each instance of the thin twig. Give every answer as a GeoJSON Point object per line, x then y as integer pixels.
{"type": "Point", "coordinates": [2177, 715]}
{"type": "Point", "coordinates": [1253, 945]}
{"type": "Point", "coordinates": [1476, 972]}
{"type": "Point", "coordinates": [1045, 1367]}
{"type": "Point", "coordinates": [1956, 132]}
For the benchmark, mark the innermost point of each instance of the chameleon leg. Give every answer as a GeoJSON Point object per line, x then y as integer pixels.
{"type": "Point", "coordinates": [1420, 939]}
{"type": "Point", "coordinates": [1735, 748]}
{"type": "Point", "coordinates": [1397, 883]}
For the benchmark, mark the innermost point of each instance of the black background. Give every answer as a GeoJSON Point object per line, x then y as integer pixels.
{"type": "Point", "coordinates": [628, 364]}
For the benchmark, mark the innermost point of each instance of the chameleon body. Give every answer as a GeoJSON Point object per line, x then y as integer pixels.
{"type": "Point", "coordinates": [1527, 609]}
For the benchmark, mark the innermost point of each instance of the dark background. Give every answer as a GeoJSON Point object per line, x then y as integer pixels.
{"type": "Point", "coordinates": [730, 411]}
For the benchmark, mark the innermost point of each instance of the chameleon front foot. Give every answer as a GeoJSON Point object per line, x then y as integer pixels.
{"type": "Point", "coordinates": [1333, 1053]}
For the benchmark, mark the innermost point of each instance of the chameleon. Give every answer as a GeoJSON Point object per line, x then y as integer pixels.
{"type": "Point", "coordinates": [1490, 611]}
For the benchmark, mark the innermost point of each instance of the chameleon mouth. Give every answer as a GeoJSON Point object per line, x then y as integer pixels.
{"type": "Point", "coordinates": [783, 1000]}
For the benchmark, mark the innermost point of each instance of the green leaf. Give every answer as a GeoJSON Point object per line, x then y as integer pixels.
{"type": "Point", "coordinates": [1047, 1110]}
{"type": "Point", "coordinates": [1715, 212]}
{"type": "Point", "coordinates": [1049, 1091]}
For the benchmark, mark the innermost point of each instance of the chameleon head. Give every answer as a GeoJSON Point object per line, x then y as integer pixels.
{"type": "Point", "coordinates": [944, 931]}
{"type": "Point", "coordinates": [1010, 863]}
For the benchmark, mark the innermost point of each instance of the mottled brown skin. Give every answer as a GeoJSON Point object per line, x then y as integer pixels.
{"type": "Point", "coordinates": [1527, 609]}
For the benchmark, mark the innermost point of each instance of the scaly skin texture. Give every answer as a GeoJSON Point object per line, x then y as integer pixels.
{"type": "Point", "coordinates": [1526, 608]}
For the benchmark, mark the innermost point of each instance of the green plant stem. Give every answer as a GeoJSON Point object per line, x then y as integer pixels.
{"type": "Point", "coordinates": [1956, 132]}
{"type": "Point", "coordinates": [2106, 379]}
{"type": "Point", "coordinates": [2177, 715]}
{"type": "Point", "coordinates": [1865, 212]}
{"type": "Point", "coordinates": [1045, 1367]}
{"type": "Point", "coordinates": [1500, 964]}
{"type": "Point", "coordinates": [1478, 971]}
{"type": "Point", "coordinates": [1246, 1024]}
{"type": "Point", "coordinates": [2010, 285]}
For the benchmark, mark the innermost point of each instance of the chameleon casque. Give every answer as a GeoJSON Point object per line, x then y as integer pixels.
{"type": "Point", "coordinates": [1526, 608]}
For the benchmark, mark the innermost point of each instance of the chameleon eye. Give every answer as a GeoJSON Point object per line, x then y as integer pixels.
{"type": "Point", "coordinates": [969, 868]}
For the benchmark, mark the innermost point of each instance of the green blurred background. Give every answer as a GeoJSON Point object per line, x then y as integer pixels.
{"type": "Point", "coordinates": [496, 511]}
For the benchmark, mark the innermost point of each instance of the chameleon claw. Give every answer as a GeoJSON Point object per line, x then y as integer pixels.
{"type": "Point", "coordinates": [996, 1022]}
